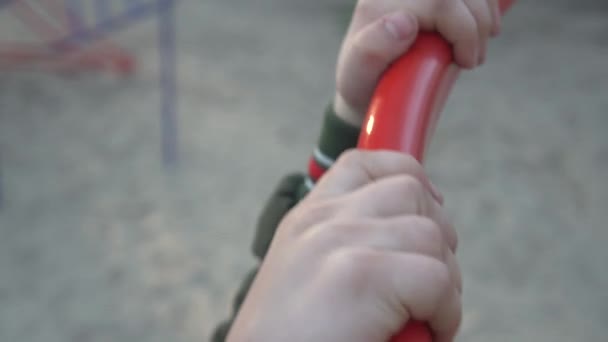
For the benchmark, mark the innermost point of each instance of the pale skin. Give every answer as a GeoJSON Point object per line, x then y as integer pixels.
{"type": "Point", "coordinates": [370, 247]}
{"type": "Point", "coordinates": [382, 30]}
{"type": "Point", "coordinates": [367, 250]}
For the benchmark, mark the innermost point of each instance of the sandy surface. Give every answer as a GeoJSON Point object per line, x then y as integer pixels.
{"type": "Point", "coordinates": [99, 243]}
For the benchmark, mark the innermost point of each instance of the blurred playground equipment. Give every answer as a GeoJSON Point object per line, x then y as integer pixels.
{"type": "Point", "coordinates": [74, 36]}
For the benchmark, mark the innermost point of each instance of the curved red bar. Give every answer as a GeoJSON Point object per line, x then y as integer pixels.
{"type": "Point", "coordinates": [410, 96]}
{"type": "Point", "coordinates": [401, 110]}
{"type": "Point", "coordinates": [404, 110]}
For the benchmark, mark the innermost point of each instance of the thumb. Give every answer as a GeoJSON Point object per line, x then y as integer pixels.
{"type": "Point", "coordinates": [368, 53]}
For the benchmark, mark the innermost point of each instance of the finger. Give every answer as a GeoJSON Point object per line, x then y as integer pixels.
{"type": "Point", "coordinates": [400, 195]}
{"type": "Point", "coordinates": [447, 317]}
{"type": "Point", "coordinates": [450, 18]}
{"type": "Point", "coordinates": [356, 168]}
{"type": "Point", "coordinates": [369, 53]}
{"type": "Point", "coordinates": [457, 24]}
{"type": "Point", "coordinates": [418, 294]}
{"type": "Point", "coordinates": [454, 268]}
{"type": "Point", "coordinates": [496, 17]}
{"type": "Point", "coordinates": [367, 11]}
{"type": "Point", "coordinates": [481, 11]}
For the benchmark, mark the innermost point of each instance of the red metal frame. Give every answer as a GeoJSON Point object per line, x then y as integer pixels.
{"type": "Point", "coordinates": [69, 41]}
{"type": "Point", "coordinates": [51, 26]}
{"type": "Point", "coordinates": [404, 110]}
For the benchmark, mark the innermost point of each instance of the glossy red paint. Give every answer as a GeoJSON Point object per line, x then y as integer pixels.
{"type": "Point", "coordinates": [404, 110]}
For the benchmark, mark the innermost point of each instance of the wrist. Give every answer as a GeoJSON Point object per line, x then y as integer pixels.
{"type": "Point", "coordinates": [337, 135]}
{"type": "Point", "coordinates": [346, 112]}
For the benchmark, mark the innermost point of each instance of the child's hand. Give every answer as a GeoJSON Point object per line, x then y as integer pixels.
{"type": "Point", "coordinates": [368, 249]}
{"type": "Point", "coordinates": [383, 30]}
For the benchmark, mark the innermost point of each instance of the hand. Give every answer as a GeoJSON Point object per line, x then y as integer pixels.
{"type": "Point", "coordinates": [383, 30]}
{"type": "Point", "coordinates": [367, 250]}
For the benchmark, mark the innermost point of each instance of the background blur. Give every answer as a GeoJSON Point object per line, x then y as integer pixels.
{"type": "Point", "coordinates": [99, 243]}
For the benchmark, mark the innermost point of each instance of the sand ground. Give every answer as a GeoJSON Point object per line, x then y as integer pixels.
{"type": "Point", "coordinates": [99, 243]}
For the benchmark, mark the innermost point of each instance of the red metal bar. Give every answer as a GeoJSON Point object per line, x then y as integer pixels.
{"type": "Point", "coordinates": [97, 54]}
{"type": "Point", "coordinates": [404, 110]}
{"type": "Point", "coordinates": [21, 56]}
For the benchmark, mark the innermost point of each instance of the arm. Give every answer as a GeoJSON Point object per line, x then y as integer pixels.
{"type": "Point", "coordinates": [380, 32]}
{"type": "Point", "coordinates": [337, 136]}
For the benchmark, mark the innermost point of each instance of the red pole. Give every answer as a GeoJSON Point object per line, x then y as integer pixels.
{"type": "Point", "coordinates": [404, 110]}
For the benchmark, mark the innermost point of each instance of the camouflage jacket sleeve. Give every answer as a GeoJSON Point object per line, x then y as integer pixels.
{"type": "Point", "coordinates": [336, 137]}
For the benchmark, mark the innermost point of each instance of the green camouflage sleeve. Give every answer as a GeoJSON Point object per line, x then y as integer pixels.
{"type": "Point", "coordinates": [281, 201]}
{"type": "Point", "coordinates": [336, 137]}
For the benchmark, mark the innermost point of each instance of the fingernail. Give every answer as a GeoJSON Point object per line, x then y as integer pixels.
{"type": "Point", "coordinates": [436, 193]}
{"type": "Point", "coordinates": [399, 25]}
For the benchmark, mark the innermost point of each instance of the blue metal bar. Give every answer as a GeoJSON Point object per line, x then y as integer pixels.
{"type": "Point", "coordinates": [103, 10]}
{"type": "Point", "coordinates": [165, 9]}
{"type": "Point", "coordinates": [5, 2]}
{"type": "Point", "coordinates": [115, 23]}
{"type": "Point", "coordinates": [74, 12]}
{"type": "Point", "coordinates": [105, 24]}
{"type": "Point", "coordinates": [168, 83]}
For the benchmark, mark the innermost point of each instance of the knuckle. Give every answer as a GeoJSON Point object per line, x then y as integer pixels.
{"type": "Point", "coordinates": [368, 9]}
{"type": "Point", "coordinates": [455, 25]}
{"type": "Point", "coordinates": [429, 233]}
{"type": "Point", "coordinates": [469, 29]}
{"type": "Point", "coordinates": [351, 265]}
{"type": "Point", "coordinates": [437, 275]}
{"type": "Point", "coordinates": [349, 158]}
{"type": "Point", "coordinates": [484, 20]}
{"type": "Point", "coordinates": [409, 160]}
{"type": "Point", "coordinates": [409, 186]}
